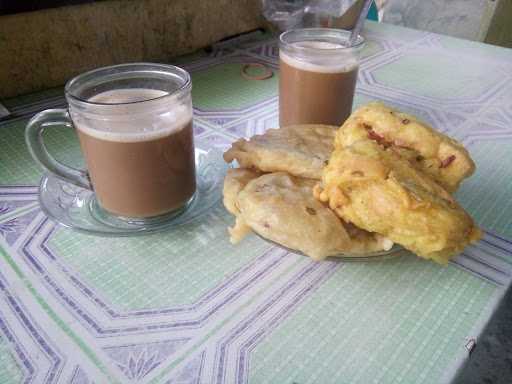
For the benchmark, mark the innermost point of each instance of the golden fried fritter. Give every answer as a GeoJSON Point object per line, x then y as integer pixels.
{"type": "Point", "coordinates": [282, 208]}
{"type": "Point", "coordinates": [379, 191]}
{"type": "Point", "coordinates": [300, 150]}
{"type": "Point", "coordinates": [443, 158]}
{"type": "Point", "coordinates": [236, 179]}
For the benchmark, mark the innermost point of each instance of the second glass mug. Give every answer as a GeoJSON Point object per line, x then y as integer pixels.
{"type": "Point", "coordinates": [318, 74]}
{"type": "Point", "coordinates": [134, 123]}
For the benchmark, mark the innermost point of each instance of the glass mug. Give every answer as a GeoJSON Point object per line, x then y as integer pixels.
{"type": "Point", "coordinates": [317, 76]}
{"type": "Point", "coordinates": [134, 124]}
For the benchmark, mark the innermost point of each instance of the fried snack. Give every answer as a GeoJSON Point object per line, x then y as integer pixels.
{"type": "Point", "coordinates": [236, 179]}
{"type": "Point", "coordinates": [379, 191]}
{"type": "Point", "coordinates": [443, 158]}
{"type": "Point", "coordinates": [300, 150]}
{"type": "Point", "coordinates": [282, 208]}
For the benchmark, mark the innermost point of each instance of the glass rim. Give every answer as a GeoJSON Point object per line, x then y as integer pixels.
{"type": "Point", "coordinates": [326, 32]}
{"type": "Point", "coordinates": [164, 68]}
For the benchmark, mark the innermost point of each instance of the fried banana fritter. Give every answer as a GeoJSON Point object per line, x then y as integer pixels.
{"type": "Point", "coordinates": [282, 208]}
{"type": "Point", "coordinates": [432, 152]}
{"type": "Point", "coordinates": [300, 150]}
{"type": "Point", "coordinates": [236, 179]}
{"type": "Point", "coordinates": [379, 191]}
{"type": "Point", "coordinates": [234, 182]}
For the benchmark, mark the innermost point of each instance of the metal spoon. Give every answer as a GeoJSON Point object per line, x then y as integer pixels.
{"type": "Point", "coordinates": [360, 22]}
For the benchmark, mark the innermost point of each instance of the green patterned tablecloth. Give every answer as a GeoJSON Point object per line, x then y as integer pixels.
{"type": "Point", "coordinates": [188, 307]}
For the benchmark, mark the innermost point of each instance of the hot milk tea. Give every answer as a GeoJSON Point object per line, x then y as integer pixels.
{"type": "Point", "coordinates": [318, 74]}
{"type": "Point", "coordinates": [141, 163]}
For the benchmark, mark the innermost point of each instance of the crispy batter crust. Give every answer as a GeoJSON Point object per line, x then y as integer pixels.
{"type": "Point", "coordinates": [443, 158]}
{"type": "Point", "coordinates": [282, 208]}
{"type": "Point", "coordinates": [236, 179]}
{"type": "Point", "coordinates": [378, 190]}
{"type": "Point", "coordinates": [300, 150]}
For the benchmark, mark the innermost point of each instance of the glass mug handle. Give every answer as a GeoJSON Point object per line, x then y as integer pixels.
{"type": "Point", "coordinates": [36, 147]}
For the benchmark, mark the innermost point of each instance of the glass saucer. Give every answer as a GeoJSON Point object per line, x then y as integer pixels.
{"type": "Point", "coordinates": [371, 256]}
{"type": "Point", "coordinates": [77, 208]}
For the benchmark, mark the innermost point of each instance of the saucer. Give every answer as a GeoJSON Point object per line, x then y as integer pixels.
{"type": "Point", "coordinates": [371, 256]}
{"type": "Point", "coordinates": [77, 208]}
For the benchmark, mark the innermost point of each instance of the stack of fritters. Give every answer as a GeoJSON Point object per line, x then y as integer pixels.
{"type": "Point", "coordinates": [272, 194]}
{"type": "Point", "coordinates": [384, 177]}
{"type": "Point", "coordinates": [392, 174]}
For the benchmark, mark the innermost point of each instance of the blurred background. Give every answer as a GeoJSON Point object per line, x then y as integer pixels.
{"type": "Point", "coordinates": [44, 43]}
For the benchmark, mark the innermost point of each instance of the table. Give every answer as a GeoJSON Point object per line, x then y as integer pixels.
{"type": "Point", "coordinates": [188, 307]}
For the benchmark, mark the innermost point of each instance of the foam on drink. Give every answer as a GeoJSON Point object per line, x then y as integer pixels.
{"type": "Point", "coordinates": [342, 62]}
{"type": "Point", "coordinates": [134, 122]}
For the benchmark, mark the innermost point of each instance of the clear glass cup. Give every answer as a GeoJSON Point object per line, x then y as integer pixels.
{"type": "Point", "coordinates": [134, 123]}
{"type": "Point", "coordinates": [317, 77]}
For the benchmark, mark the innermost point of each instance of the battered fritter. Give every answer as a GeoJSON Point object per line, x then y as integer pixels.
{"type": "Point", "coordinates": [300, 150]}
{"type": "Point", "coordinates": [434, 153]}
{"type": "Point", "coordinates": [282, 208]}
{"type": "Point", "coordinates": [378, 190]}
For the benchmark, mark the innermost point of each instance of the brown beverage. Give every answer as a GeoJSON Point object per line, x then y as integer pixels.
{"type": "Point", "coordinates": [140, 166]}
{"type": "Point", "coordinates": [318, 74]}
{"type": "Point", "coordinates": [309, 94]}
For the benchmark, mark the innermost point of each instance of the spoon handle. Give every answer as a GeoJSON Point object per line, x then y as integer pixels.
{"type": "Point", "coordinates": [360, 22]}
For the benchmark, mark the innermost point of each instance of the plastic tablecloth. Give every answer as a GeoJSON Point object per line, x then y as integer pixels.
{"type": "Point", "coordinates": [186, 306]}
